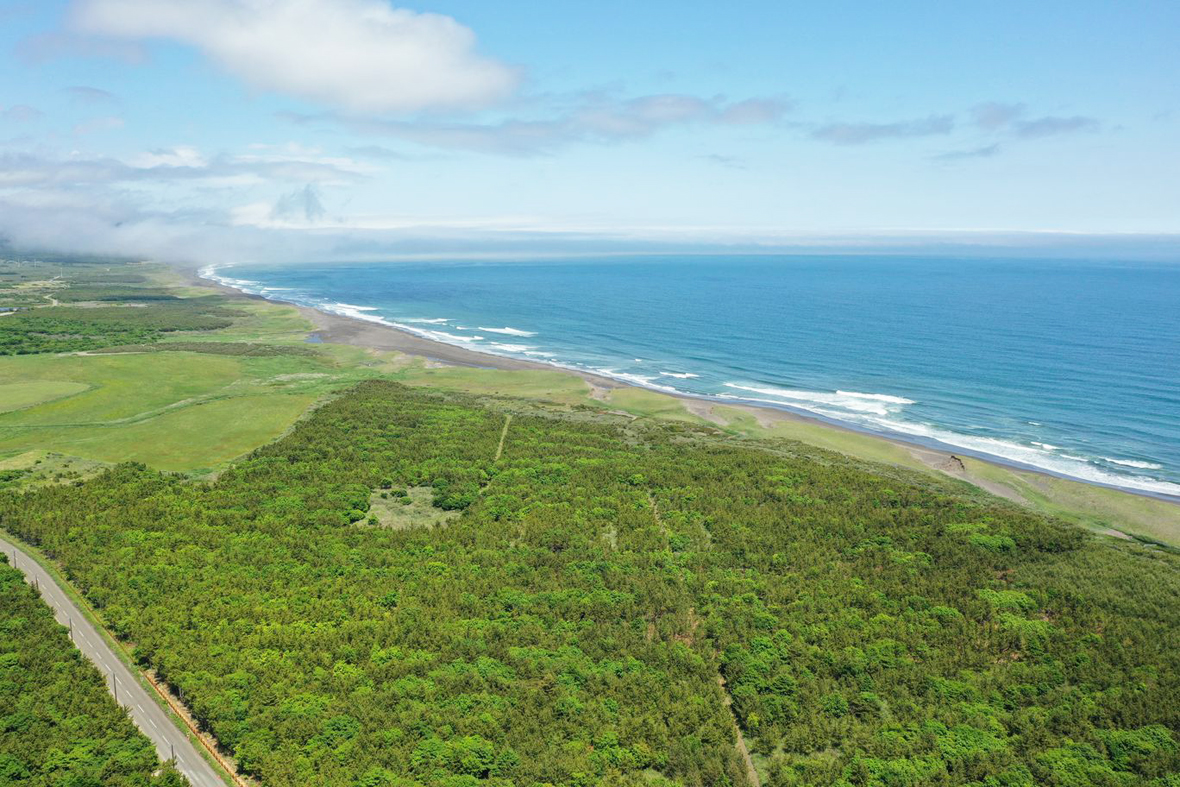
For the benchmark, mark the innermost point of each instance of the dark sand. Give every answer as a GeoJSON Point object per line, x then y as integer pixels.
{"type": "Point", "coordinates": [338, 329]}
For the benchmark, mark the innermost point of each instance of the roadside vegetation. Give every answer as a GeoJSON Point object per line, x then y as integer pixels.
{"type": "Point", "coordinates": [361, 570]}
{"type": "Point", "coordinates": [58, 725]}
{"type": "Point", "coordinates": [605, 588]}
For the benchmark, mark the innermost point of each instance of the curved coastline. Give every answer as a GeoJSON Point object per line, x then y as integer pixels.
{"type": "Point", "coordinates": [350, 325]}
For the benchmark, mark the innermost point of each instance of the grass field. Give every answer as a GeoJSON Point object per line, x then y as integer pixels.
{"type": "Point", "coordinates": [176, 411]}
{"type": "Point", "coordinates": [195, 411]}
{"type": "Point", "coordinates": [47, 467]}
{"type": "Point", "coordinates": [650, 404]}
{"type": "Point", "coordinates": [1088, 505]}
{"type": "Point", "coordinates": [269, 322]}
{"type": "Point", "coordinates": [184, 411]}
{"type": "Point", "coordinates": [121, 386]}
{"type": "Point", "coordinates": [555, 386]}
{"type": "Point", "coordinates": [199, 436]}
{"type": "Point", "coordinates": [17, 396]}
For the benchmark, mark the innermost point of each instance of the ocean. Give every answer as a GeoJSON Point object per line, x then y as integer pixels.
{"type": "Point", "coordinates": [1064, 366]}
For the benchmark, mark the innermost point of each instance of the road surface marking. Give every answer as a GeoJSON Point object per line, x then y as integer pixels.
{"type": "Point", "coordinates": [198, 773]}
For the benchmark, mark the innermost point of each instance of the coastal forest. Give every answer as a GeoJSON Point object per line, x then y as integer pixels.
{"type": "Point", "coordinates": [58, 725]}
{"type": "Point", "coordinates": [414, 587]}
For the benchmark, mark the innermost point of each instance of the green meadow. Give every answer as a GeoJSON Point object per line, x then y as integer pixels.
{"type": "Point", "coordinates": [362, 568]}
{"type": "Point", "coordinates": [17, 396]}
{"type": "Point", "coordinates": [193, 400]}
{"type": "Point", "coordinates": [175, 411]}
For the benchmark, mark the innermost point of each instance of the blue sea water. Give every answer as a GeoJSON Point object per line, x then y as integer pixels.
{"type": "Point", "coordinates": [1070, 367]}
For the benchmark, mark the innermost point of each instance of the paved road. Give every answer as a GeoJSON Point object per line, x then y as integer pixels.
{"type": "Point", "coordinates": [170, 739]}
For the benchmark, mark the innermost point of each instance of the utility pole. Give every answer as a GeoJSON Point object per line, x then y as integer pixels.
{"type": "Point", "coordinates": [115, 686]}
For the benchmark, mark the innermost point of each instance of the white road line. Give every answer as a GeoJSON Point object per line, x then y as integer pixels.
{"type": "Point", "coordinates": [198, 772]}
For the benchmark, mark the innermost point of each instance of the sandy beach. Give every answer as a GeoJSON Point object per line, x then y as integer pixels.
{"type": "Point", "coordinates": [340, 329]}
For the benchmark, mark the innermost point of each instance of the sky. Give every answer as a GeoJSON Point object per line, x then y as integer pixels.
{"type": "Point", "coordinates": [250, 129]}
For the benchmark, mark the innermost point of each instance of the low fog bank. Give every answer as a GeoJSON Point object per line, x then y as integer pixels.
{"type": "Point", "coordinates": [202, 238]}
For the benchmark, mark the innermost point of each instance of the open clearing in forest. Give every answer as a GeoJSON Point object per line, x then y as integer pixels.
{"type": "Point", "coordinates": [194, 411]}
{"type": "Point", "coordinates": [400, 509]}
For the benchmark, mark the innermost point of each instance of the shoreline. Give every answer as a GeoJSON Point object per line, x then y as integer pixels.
{"type": "Point", "coordinates": [940, 457]}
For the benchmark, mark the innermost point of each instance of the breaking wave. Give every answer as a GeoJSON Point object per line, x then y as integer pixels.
{"type": "Point", "coordinates": [850, 402]}
{"type": "Point", "coordinates": [1135, 463]}
{"type": "Point", "coordinates": [509, 331]}
{"type": "Point", "coordinates": [882, 413]}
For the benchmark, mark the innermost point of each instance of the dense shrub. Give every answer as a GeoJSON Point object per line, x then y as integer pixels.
{"type": "Point", "coordinates": [572, 624]}
{"type": "Point", "coordinates": [58, 725]}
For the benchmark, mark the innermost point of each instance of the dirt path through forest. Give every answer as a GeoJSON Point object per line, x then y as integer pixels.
{"type": "Point", "coordinates": [503, 435]}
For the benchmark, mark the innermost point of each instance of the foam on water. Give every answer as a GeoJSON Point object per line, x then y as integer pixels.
{"type": "Point", "coordinates": [210, 272]}
{"type": "Point", "coordinates": [874, 397]}
{"type": "Point", "coordinates": [511, 348]}
{"type": "Point", "coordinates": [981, 397]}
{"type": "Point", "coordinates": [852, 403]}
{"type": "Point", "coordinates": [443, 336]}
{"type": "Point", "coordinates": [355, 312]}
{"type": "Point", "coordinates": [509, 331]}
{"type": "Point", "coordinates": [642, 381]}
{"type": "Point", "coordinates": [1138, 465]}
{"type": "Point", "coordinates": [882, 420]}
{"type": "Point", "coordinates": [1067, 465]}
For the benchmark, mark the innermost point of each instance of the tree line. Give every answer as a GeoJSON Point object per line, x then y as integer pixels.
{"type": "Point", "coordinates": [605, 588]}
{"type": "Point", "coordinates": [58, 725]}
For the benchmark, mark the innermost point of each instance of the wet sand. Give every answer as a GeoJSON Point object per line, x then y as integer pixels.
{"type": "Point", "coordinates": [338, 329]}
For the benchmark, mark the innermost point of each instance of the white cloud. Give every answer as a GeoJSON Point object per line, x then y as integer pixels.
{"type": "Point", "coordinates": [984, 151]}
{"type": "Point", "coordinates": [597, 119]}
{"type": "Point", "coordinates": [360, 55]}
{"type": "Point", "coordinates": [175, 165]}
{"type": "Point", "coordinates": [182, 156]}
